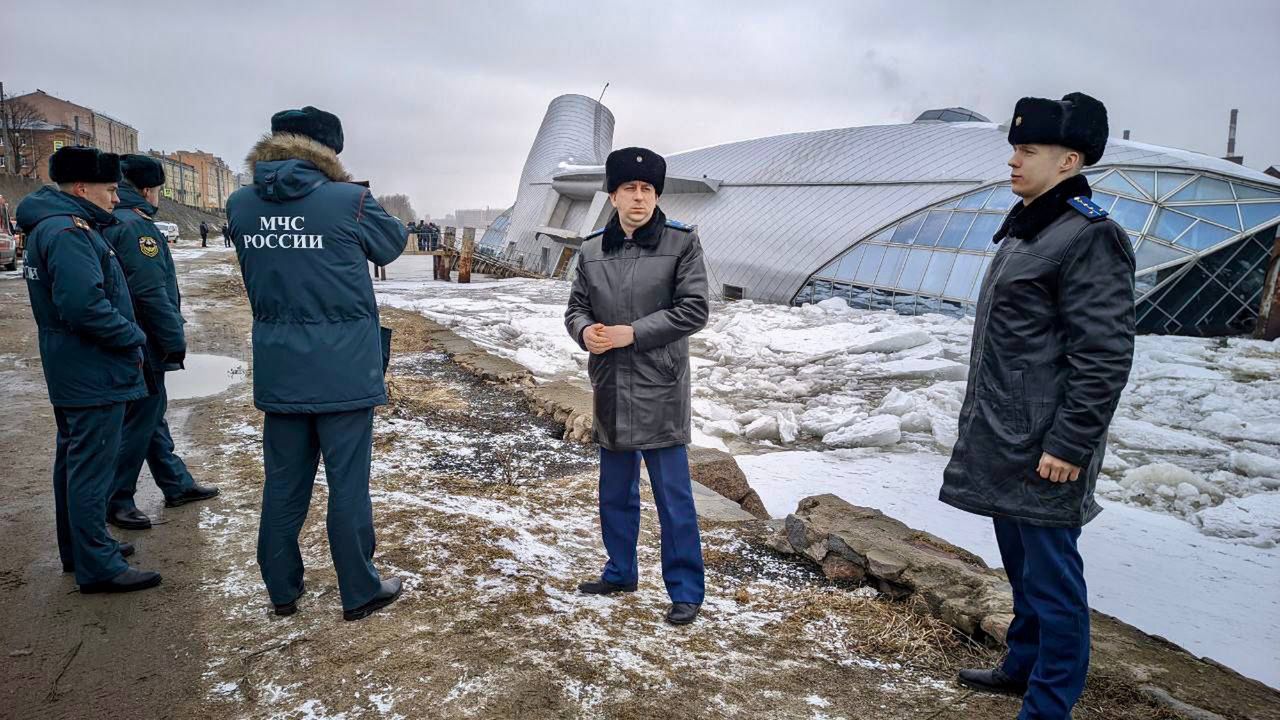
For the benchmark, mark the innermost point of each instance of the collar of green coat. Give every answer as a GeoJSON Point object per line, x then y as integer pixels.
{"type": "Point", "coordinates": [1026, 221]}
{"type": "Point", "coordinates": [131, 199]}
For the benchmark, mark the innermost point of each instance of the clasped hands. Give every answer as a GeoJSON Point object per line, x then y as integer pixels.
{"type": "Point", "coordinates": [601, 338]}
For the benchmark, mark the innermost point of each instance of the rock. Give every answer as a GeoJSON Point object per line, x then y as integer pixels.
{"type": "Point", "coordinates": [885, 565]}
{"type": "Point", "coordinates": [765, 428]}
{"type": "Point", "coordinates": [720, 472]}
{"type": "Point", "coordinates": [996, 625]}
{"type": "Point", "coordinates": [876, 431]}
{"type": "Point", "coordinates": [754, 505]}
{"type": "Point", "coordinates": [955, 584]}
{"type": "Point", "coordinates": [711, 505]}
{"type": "Point", "coordinates": [1255, 465]}
{"type": "Point", "coordinates": [838, 568]}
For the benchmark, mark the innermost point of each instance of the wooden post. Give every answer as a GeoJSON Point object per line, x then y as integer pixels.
{"type": "Point", "coordinates": [444, 261]}
{"type": "Point", "coordinates": [468, 250]}
{"type": "Point", "coordinates": [1269, 313]}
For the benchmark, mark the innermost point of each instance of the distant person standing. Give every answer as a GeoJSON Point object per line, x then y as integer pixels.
{"type": "Point", "coordinates": [226, 235]}
{"type": "Point", "coordinates": [1052, 349]}
{"type": "Point", "coordinates": [303, 233]}
{"type": "Point", "coordinates": [204, 234]}
{"type": "Point", "coordinates": [92, 354]}
{"type": "Point", "coordinates": [640, 292]}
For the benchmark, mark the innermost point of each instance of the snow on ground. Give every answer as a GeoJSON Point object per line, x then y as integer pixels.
{"type": "Point", "coordinates": [1191, 477]}
{"type": "Point", "coordinates": [1151, 570]}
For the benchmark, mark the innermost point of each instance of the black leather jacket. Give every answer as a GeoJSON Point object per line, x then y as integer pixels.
{"type": "Point", "coordinates": [656, 283]}
{"type": "Point", "coordinates": [1052, 348]}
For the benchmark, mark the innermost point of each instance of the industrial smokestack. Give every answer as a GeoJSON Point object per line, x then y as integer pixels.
{"type": "Point", "coordinates": [1231, 134]}
{"type": "Point", "coordinates": [1231, 140]}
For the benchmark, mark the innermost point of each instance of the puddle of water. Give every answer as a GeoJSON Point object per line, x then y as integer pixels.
{"type": "Point", "coordinates": [204, 375]}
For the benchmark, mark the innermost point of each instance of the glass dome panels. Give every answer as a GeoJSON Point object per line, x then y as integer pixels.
{"type": "Point", "coordinates": [933, 260]}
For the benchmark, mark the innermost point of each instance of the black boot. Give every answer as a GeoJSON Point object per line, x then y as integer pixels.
{"type": "Point", "coordinates": [129, 519]}
{"type": "Point", "coordinates": [682, 613]}
{"type": "Point", "coordinates": [126, 549]}
{"type": "Point", "coordinates": [291, 607]}
{"type": "Point", "coordinates": [192, 494]}
{"type": "Point", "coordinates": [128, 581]}
{"type": "Point", "coordinates": [387, 595]}
{"type": "Point", "coordinates": [604, 587]}
{"type": "Point", "coordinates": [993, 681]}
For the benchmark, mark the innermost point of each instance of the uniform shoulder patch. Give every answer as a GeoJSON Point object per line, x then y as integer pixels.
{"type": "Point", "coordinates": [679, 225]}
{"type": "Point", "coordinates": [1087, 207]}
{"type": "Point", "coordinates": [143, 214]}
{"type": "Point", "coordinates": [79, 222]}
{"type": "Point", "coordinates": [148, 246]}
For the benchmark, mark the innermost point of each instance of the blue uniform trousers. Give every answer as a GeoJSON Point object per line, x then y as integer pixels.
{"type": "Point", "coordinates": [146, 438]}
{"type": "Point", "coordinates": [1049, 637]}
{"type": "Point", "coordinates": [83, 475]}
{"type": "Point", "coordinates": [291, 447]}
{"type": "Point", "coordinates": [620, 518]}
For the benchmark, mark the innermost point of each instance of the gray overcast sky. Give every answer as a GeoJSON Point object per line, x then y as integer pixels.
{"type": "Point", "coordinates": [441, 100]}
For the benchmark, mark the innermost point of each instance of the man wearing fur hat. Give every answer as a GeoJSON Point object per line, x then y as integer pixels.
{"type": "Point", "coordinates": [304, 235]}
{"type": "Point", "coordinates": [640, 292]}
{"type": "Point", "coordinates": [153, 282]}
{"type": "Point", "coordinates": [1052, 348]}
{"type": "Point", "coordinates": [91, 350]}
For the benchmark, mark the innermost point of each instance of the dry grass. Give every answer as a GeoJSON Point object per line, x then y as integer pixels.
{"type": "Point", "coordinates": [902, 631]}
{"type": "Point", "coordinates": [420, 396]}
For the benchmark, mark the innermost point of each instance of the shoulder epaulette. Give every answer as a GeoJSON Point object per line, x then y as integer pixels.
{"type": "Point", "coordinates": [594, 233]}
{"type": "Point", "coordinates": [80, 222]}
{"type": "Point", "coordinates": [679, 225]}
{"type": "Point", "coordinates": [143, 214]}
{"type": "Point", "coordinates": [1087, 207]}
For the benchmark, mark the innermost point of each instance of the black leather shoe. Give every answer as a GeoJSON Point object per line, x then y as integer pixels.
{"type": "Point", "coordinates": [130, 580]}
{"type": "Point", "coordinates": [387, 595]}
{"type": "Point", "coordinates": [682, 613]}
{"type": "Point", "coordinates": [291, 607]}
{"type": "Point", "coordinates": [994, 680]}
{"type": "Point", "coordinates": [126, 550]}
{"type": "Point", "coordinates": [192, 494]}
{"type": "Point", "coordinates": [130, 519]}
{"type": "Point", "coordinates": [604, 587]}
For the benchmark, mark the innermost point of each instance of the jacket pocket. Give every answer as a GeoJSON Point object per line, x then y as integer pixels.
{"type": "Point", "coordinates": [1016, 409]}
{"type": "Point", "coordinates": [386, 348]}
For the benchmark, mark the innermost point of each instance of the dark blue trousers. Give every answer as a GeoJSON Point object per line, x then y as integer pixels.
{"type": "Point", "coordinates": [292, 445]}
{"type": "Point", "coordinates": [1049, 637]}
{"type": "Point", "coordinates": [146, 438]}
{"type": "Point", "coordinates": [620, 518]}
{"type": "Point", "coordinates": [83, 475]}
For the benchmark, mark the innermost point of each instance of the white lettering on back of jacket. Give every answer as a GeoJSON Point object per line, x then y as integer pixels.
{"type": "Point", "coordinates": [285, 233]}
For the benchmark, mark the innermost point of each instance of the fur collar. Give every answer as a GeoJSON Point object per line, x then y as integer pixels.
{"type": "Point", "coordinates": [1026, 221]}
{"type": "Point", "coordinates": [646, 235]}
{"type": "Point", "coordinates": [288, 146]}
